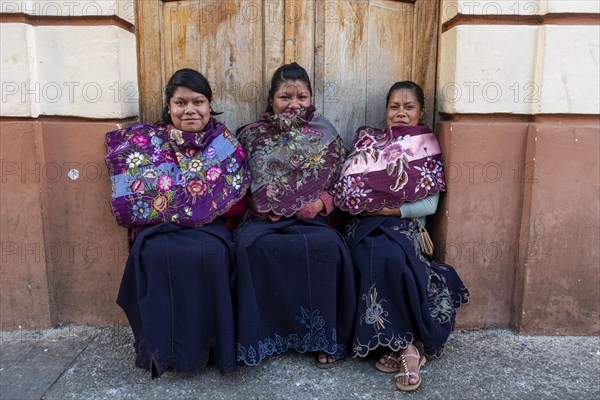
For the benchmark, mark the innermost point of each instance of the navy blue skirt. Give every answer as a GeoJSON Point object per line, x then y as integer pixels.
{"type": "Point", "coordinates": [404, 296]}
{"type": "Point", "coordinates": [177, 297]}
{"type": "Point", "coordinates": [294, 289]}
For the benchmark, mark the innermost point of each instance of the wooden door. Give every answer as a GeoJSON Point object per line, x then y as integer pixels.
{"type": "Point", "coordinates": [354, 50]}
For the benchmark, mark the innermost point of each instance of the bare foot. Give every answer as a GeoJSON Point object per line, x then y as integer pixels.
{"type": "Point", "coordinates": [325, 360]}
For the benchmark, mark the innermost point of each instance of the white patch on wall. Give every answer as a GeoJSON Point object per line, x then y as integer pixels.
{"type": "Point", "coordinates": [82, 71]}
{"type": "Point", "coordinates": [569, 81]}
{"type": "Point", "coordinates": [573, 6]}
{"type": "Point", "coordinates": [18, 78]}
{"type": "Point", "coordinates": [488, 69]}
{"type": "Point", "coordinates": [73, 174]}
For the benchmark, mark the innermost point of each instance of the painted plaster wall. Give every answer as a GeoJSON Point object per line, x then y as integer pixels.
{"type": "Point", "coordinates": [519, 97]}
{"type": "Point", "coordinates": [69, 74]}
{"type": "Point", "coordinates": [62, 252]}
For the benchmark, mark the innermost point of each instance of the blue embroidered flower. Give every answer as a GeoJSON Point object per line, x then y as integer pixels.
{"type": "Point", "coordinates": [294, 341]}
{"type": "Point", "coordinates": [211, 152]}
{"type": "Point", "coordinates": [318, 322]}
{"type": "Point", "coordinates": [251, 352]}
{"type": "Point", "coordinates": [156, 141]}
{"type": "Point", "coordinates": [268, 346]}
{"type": "Point", "coordinates": [232, 166]}
{"type": "Point", "coordinates": [141, 209]}
{"type": "Point", "coordinates": [180, 179]}
{"type": "Point", "coordinates": [280, 344]}
{"type": "Point", "coordinates": [314, 338]}
{"type": "Point", "coordinates": [320, 342]}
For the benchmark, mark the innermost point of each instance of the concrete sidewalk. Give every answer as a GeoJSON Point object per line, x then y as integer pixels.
{"type": "Point", "coordinates": [97, 363]}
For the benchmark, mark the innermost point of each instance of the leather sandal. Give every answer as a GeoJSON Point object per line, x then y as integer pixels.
{"type": "Point", "coordinates": [384, 368]}
{"type": "Point", "coordinates": [406, 372]}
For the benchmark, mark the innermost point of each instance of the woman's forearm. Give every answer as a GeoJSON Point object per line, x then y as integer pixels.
{"type": "Point", "coordinates": [421, 208]}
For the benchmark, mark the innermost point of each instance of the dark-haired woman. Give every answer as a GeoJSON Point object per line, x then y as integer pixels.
{"type": "Point", "coordinates": [294, 282]}
{"type": "Point", "coordinates": [176, 183]}
{"type": "Point", "coordinates": [391, 181]}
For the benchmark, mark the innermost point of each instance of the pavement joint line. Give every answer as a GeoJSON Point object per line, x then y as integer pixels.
{"type": "Point", "coordinates": [87, 343]}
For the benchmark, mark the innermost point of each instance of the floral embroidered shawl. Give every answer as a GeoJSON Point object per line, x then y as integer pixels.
{"type": "Point", "coordinates": [294, 157]}
{"type": "Point", "coordinates": [161, 174]}
{"type": "Point", "coordinates": [386, 168]}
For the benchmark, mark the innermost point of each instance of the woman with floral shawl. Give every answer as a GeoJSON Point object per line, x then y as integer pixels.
{"type": "Point", "coordinates": [293, 275]}
{"type": "Point", "coordinates": [175, 183]}
{"type": "Point", "coordinates": [390, 181]}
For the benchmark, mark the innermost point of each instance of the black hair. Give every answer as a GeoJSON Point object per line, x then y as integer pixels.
{"type": "Point", "coordinates": [408, 85]}
{"type": "Point", "coordinates": [287, 72]}
{"type": "Point", "coordinates": [188, 78]}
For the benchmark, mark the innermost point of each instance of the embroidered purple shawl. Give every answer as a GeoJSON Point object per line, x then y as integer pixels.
{"type": "Point", "coordinates": [161, 174]}
{"type": "Point", "coordinates": [386, 168]}
{"type": "Point", "coordinates": [294, 157]}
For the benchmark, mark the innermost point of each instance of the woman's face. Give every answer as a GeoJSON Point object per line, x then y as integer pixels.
{"type": "Point", "coordinates": [291, 95]}
{"type": "Point", "coordinates": [403, 108]}
{"type": "Point", "coordinates": [190, 111]}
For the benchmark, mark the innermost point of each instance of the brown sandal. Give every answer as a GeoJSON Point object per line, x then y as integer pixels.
{"type": "Point", "coordinates": [406, 372]}
{"type": "Point", "coordinates": [384, 368]}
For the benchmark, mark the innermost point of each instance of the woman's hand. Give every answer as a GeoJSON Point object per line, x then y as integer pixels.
{"type": "Point", "coordinates": [385, 211]}
{"type": "Point", "coordinates": [318, 206]}
{"type": "Point", "coordinates": [310, 210]}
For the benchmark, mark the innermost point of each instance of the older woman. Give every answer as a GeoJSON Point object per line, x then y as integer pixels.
{"type": "Point", "coordinates": [390, 181]}
{"type": "Point", "coordinates": [175, 183]}
{"type": "Point", "coordinates": [294, 282]}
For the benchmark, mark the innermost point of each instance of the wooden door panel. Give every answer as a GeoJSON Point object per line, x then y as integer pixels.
{"type": "Point", "coordinates": [345, 55]}
{"type": "Point", "coordinates": [366, 47]}
{"type": "Point", "coordinates": [181, 37]}
{"type": "Point", "coordinates": [390, 44]}
{"type": "Point", "coordinates": [299, 17]}
{"type": "Point", "coordinates": [352, 49]}
{"type": "Point", "coordinates": [224, 42]}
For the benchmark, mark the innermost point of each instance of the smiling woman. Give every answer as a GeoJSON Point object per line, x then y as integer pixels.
{"type": "Point", "coordinates": [187, 96]}
{"type": "Point", "coordinates": [294, 279]}
{"type": "Point", "coordinates": [290, 95]}
{"type": "Point", "coordinates": [177, 183]}
{"type": "Point", "coordinates": [390, 181]}
{"type": "Point", "coordinates": [405, 104]}
{"type": "Point", "coordinates": [190, 111]}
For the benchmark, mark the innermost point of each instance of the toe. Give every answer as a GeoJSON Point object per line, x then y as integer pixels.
{"type": "Point", "coordinates": [389, 360]}
{"type": "Point", "coordinates": [323, 359]}
{"type": "Point", "coordinates": [402, 380]}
